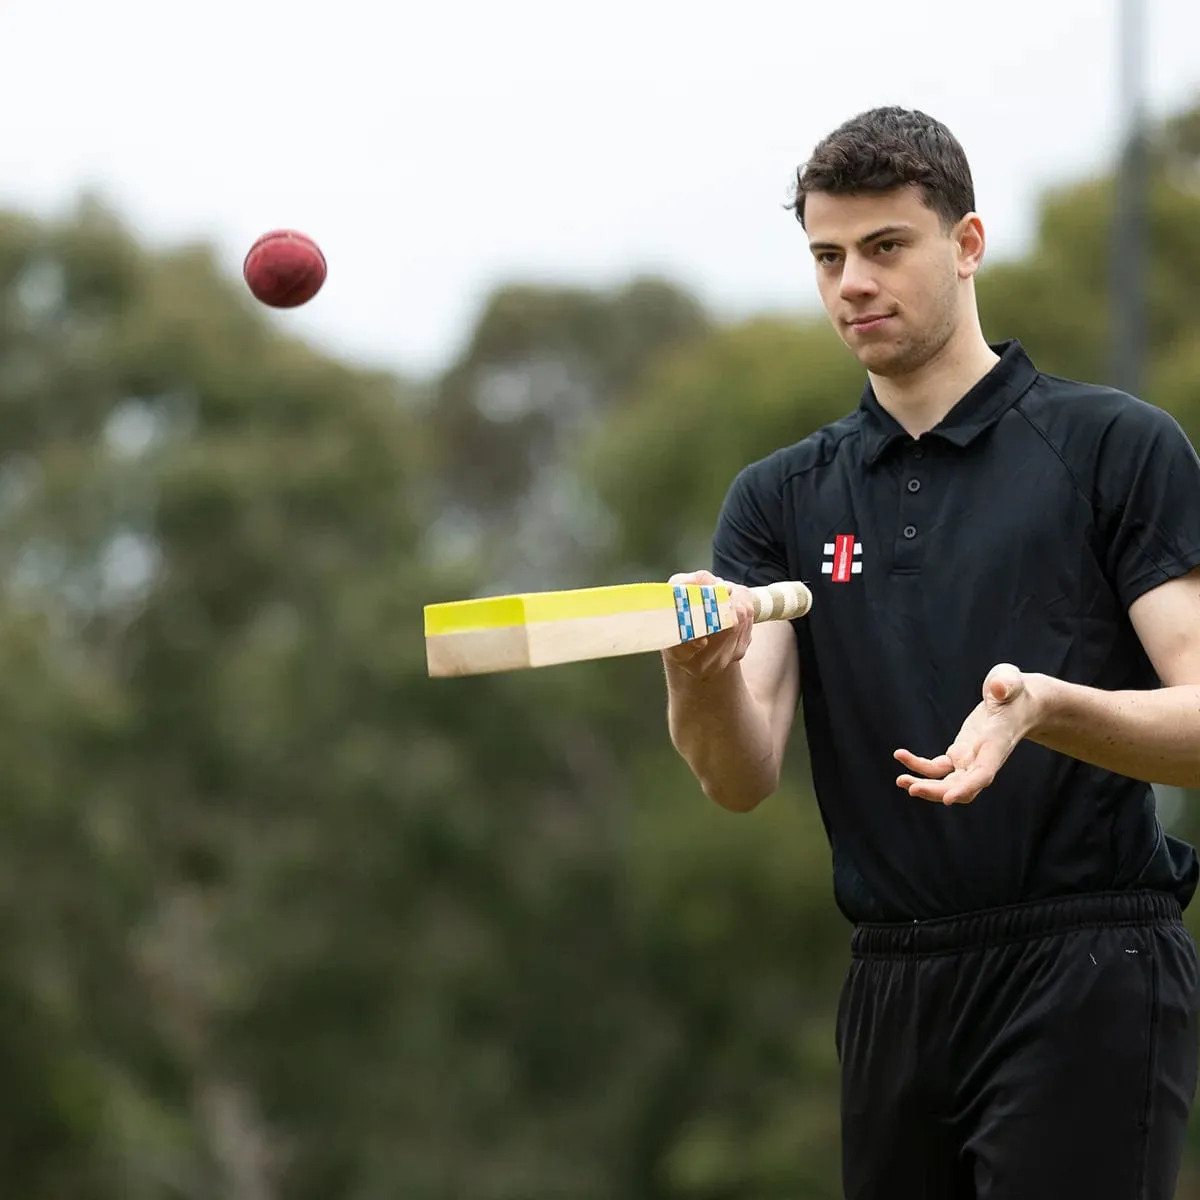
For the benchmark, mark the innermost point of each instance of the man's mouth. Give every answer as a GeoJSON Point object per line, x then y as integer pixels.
{"type": "Point", "coordinates": [868, 322]}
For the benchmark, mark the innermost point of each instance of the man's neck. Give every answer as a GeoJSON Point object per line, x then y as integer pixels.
{"type": "Point", "coordinates": [921, 400]}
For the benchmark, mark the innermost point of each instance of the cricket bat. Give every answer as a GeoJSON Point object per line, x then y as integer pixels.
{"type": "Point", "coordinates": [539, 629]}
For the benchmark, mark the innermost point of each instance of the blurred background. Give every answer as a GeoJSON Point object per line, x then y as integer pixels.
{"type": "Point", "coordinates": [280, 919]}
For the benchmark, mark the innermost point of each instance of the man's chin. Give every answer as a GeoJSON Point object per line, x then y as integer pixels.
{"type": "Point", "coordinates": [879, 360]}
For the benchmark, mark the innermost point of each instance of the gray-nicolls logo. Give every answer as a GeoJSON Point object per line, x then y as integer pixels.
{"type": "Point", "coordinates": [843, 558]}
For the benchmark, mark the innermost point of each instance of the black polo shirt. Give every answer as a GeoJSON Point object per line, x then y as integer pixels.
{"type": "Point", "coordinates": [1019, 530]}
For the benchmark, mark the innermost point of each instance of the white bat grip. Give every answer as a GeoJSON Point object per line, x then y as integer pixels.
{"type": "Point", "coordinates": [780, 601]}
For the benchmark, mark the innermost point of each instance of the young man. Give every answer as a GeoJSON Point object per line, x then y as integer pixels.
{"type": "Point", "coordinates": [1004, 645]}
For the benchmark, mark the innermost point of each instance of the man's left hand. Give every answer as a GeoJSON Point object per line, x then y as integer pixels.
{"type": "Point", "coordinates": [988, 736]}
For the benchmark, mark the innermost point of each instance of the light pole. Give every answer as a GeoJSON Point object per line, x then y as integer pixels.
{"type": "Point", "coordinates": [1130, 242]}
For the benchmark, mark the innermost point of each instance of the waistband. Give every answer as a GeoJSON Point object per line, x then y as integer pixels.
{"type": "Point", "coordinates": [1018, 922]}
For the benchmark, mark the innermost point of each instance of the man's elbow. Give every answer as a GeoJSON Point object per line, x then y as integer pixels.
{"type": "Point", "coordinates": [737, 782]}
{"type": "Point", "coordinates": [742, 795]}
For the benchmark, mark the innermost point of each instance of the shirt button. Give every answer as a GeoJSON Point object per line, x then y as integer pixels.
{"type": "Point", "coordinates": [914, 485]}
{"type": "Point", "coordinates": [910, 531]}
{"type": "Point", "coordinates": [918, 452]}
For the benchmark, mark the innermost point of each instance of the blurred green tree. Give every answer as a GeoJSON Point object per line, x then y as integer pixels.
{"type": "Point", "coordinates": [543, 369]}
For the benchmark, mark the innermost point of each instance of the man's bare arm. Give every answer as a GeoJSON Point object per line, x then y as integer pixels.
{"type": "Point", "coordinates": [1149, 735]}
{"type": "Point", "coordinates": [731, 703]}
{"type": "Point", "coordinates": [1154, 736]}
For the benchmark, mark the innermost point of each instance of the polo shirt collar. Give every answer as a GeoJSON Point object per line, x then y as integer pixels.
{"type": "Point", "coordinates": [976, 412]}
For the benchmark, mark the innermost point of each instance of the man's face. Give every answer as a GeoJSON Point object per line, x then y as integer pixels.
{"type": "Point", "coordinates": [889, 275]}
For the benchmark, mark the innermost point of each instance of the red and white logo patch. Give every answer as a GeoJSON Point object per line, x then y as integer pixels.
{"type": "Point", "coordinates": [843, 558]}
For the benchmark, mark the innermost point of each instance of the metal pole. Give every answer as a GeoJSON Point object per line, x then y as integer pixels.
{"type": "Point", "coordinates": [1130, 242]}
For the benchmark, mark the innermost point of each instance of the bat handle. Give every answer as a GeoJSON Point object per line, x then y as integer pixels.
{"type": "Point", "coordinates": [780, 601]}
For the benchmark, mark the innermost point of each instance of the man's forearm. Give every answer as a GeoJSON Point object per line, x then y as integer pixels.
{"type": "Point", "coordinates": [724, 736]}
{"type": "Point", "coordinates": [1148, 735]}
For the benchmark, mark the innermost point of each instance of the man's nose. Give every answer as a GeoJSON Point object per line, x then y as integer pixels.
{"type": "Point", "coordinates": [857, 278]}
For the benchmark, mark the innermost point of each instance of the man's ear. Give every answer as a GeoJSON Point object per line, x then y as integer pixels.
{"type": "Point", "coordinates": [971, 242]}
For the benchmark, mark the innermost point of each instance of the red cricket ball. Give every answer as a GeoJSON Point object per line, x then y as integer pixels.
{"type": "Point", "coordinates": [284, 268]}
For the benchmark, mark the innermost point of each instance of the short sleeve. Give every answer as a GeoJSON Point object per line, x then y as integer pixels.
{"type": "Point", "coordinates": [1149, 491]}
{"type": "Point", "coordinates": [748, 546]}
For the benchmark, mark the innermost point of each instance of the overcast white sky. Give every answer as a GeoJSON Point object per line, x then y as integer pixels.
{"type": "Point", "coordinates": [435, 149]}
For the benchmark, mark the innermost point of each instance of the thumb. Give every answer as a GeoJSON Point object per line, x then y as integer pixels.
{"type": "Point", "coordinates": [1002, 683]}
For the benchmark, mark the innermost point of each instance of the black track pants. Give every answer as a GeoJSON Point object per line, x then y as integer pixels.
{"type": "Point", "coordinates": [1042, 1052]}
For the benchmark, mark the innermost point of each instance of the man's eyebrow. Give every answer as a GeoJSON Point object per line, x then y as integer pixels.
{"type": "Point", "coordinates": [873, 236]}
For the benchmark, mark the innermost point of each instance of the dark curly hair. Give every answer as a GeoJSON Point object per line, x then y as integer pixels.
{"type": "Point", "coordinates": [888, 148]}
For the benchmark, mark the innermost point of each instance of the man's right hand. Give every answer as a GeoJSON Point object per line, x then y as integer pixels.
{"type": "Point", "coordinates": [730, 708]}
{"type": "Point", "coordinates": [715, 653]}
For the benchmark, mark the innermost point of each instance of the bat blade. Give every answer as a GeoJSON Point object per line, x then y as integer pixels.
{"type": "Point", "coordinates": [539, 629]}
